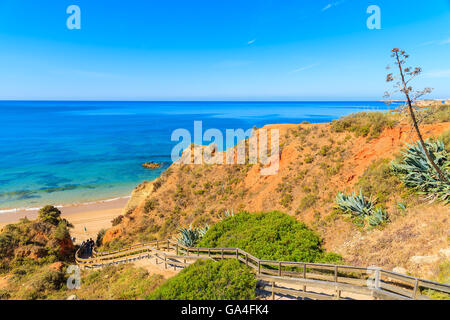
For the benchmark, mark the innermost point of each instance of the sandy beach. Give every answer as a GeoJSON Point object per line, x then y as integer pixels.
{"type": "Point", "coordinates": [92, 216]}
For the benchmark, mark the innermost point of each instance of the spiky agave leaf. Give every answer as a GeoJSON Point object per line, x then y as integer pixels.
{"type": "Point", "coordinates": [357, 205]}
{"type": "Point", "coordinates": [417, 173]}
{"type": "Point", "coordinates": [190, 236]}
{"type": "Point", "coordinates": [377, 217]}
{"type": "Point", "coordinates": [226, 214]}
{"type": "Point", "coordinates": [202, 231]}
{"type": "Point", "coordinates": [361, 209]}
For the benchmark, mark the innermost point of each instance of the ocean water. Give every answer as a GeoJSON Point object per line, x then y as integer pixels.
{"type": "Point", "coordinates": [60, 152]}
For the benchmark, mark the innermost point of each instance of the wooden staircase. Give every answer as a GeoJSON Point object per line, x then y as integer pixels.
{"type": "Point", "coordinates": [280, 278]}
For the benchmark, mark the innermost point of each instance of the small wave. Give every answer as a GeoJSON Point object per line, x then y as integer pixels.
{"type": "Point", "coordinates": [3, 211]}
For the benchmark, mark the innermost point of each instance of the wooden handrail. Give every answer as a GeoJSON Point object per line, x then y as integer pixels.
{"type": "Point", "coordinates": [334, 276]}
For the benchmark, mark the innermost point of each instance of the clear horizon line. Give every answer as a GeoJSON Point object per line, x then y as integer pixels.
{"type": "Point", "coordinates": [232, 100]}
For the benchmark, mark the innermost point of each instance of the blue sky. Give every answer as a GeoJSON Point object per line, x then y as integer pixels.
{"type": "Point", "coordinates": [217, 49]}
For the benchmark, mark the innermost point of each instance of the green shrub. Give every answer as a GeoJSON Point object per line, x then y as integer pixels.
{"type": "Point", "coordinates": [117, 220]}
{"type": "Point", "coordinates": [4, 294]}
{"type": "Point", "coordinates": [309, 158]}
{"type": "Point", "coordinates": [435, 114]}
{"type": "Point", "coordinates": [100, 236]}
{"type": "Point", "coordinates": [209, 280]}
{"type": "Point", "coordinates": [364, 123]}
{"type": "Point", "coordinates": [150, 205]}
{"type": "Point", "coordinates": [307, 202]}
{"type": "Point", "coordinates": [445, 138]}
{"type": "Point", "coordinates": [379, 182]}
{"type": "Point", "coordinates": [268, 235]}
{"type": "Point", "coordinates": [50, 280]}
{"type": "Point", "coordinates": [286, 200]}
{"type": "Point", "coordinates": [49, 214]}
{"type": "Point", "coordinates": [62, 231]}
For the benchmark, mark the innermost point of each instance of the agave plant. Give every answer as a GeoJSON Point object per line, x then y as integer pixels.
{"type": "Point", "coordinates": [361, 209]}
{"type": "Point", "coordinates": [354, 204]}
{"type": "Point", "coordinates": [190, 236]}
{"type": "Point", "coordinates": [202, 231]}
{"type": "Point", "coordinates": [416, 172]}
{"type": "Point", "coordinates": [377, 217]}
{"type": "Point", "coordinates": [226, 214]}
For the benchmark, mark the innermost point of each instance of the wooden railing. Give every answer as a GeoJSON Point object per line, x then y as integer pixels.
{"type": "Point", "coordinates": [278, 277]}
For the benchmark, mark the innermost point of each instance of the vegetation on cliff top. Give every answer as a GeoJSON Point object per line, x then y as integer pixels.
{"type": "Point", "coordinates": [364, 124]}
{"type": "Point", "coordinates": [268, 235]}
{"type": "Point", "coordinates": [39, 242]}
{"type": "Point", "coordinates": [209, 280]}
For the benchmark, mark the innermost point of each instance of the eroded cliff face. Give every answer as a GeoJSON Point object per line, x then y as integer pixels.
{"type": "Point", "coordinates": [315, 164]}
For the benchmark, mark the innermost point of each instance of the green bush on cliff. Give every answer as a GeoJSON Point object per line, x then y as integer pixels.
{"type": "Point", "coordinates": [49, 214]}
{"type": "Point", "coordinates": [364, 123]}
{"type": "Point", "coordinates": [209, 280]}
{"type": "Point", "coordinates": [37, 242]}
{"type": "Point", "coordinates": [268, 235]}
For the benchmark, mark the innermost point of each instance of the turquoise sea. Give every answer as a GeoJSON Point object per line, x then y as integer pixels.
{"type": "Point", "coordinates": [60, 152]}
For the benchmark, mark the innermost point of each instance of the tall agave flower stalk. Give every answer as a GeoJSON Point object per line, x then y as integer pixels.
{"type": "Point", "coordinates": [416, 172]}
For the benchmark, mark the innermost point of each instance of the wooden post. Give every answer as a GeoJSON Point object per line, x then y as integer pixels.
{"type": "Point", "coordinates": [304, 276]}
{"type": "Point", "coordinates": [377, 279]}
{"type": "Point", "coordinates": [246, 259]}
{"type": "Point", "coordinates": [157, 244]}
{"type": "Point", "coordinates": [416, 287]}
{"type": "Point", "coordinates": [165, 262]}
{"type": "Point", "coordinates": [198, 251]}
{"type": "Point", "coordinates": [259, 267]}
{"type": "Point", "coordinates": [168, 245]}
{"type": "Point", "coordinates": [237, 254]}
{"type": "Point", "coordinates": [279, 269]}
{"type": "Point", "coordinates": [338, 292]}
{"type": "Point", "coordinates": [209, 252]}
{"type": "Point", "coordinates": [177, 248]}
{"type": "Point", "coordinates": [273, 290]}
{"type": "Point", "coordinates": [222, 254]}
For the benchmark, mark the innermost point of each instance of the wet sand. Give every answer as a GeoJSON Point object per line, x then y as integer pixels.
{"type": "Point", "coordinates": [92, 216]}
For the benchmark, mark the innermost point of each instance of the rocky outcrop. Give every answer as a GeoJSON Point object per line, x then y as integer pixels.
{"type": "Point", "coordinates": [31, 251]}
{"type": "Point", "coordinates": [152, 165]}
{"type": "Point", "coordinates": [56, 266]}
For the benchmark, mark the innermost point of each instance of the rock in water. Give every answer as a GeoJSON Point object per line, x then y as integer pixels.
{"type": "Point", "coordinates": [151, 165]}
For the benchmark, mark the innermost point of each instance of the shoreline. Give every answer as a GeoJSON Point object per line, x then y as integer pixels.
{"type": "Point", "coordinates": [88, 218]}
{"type": "Point", "coordinates": [60, 206]}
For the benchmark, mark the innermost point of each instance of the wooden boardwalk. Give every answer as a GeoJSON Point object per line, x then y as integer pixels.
{"type": "Point", "coordinates": [301, 280]}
